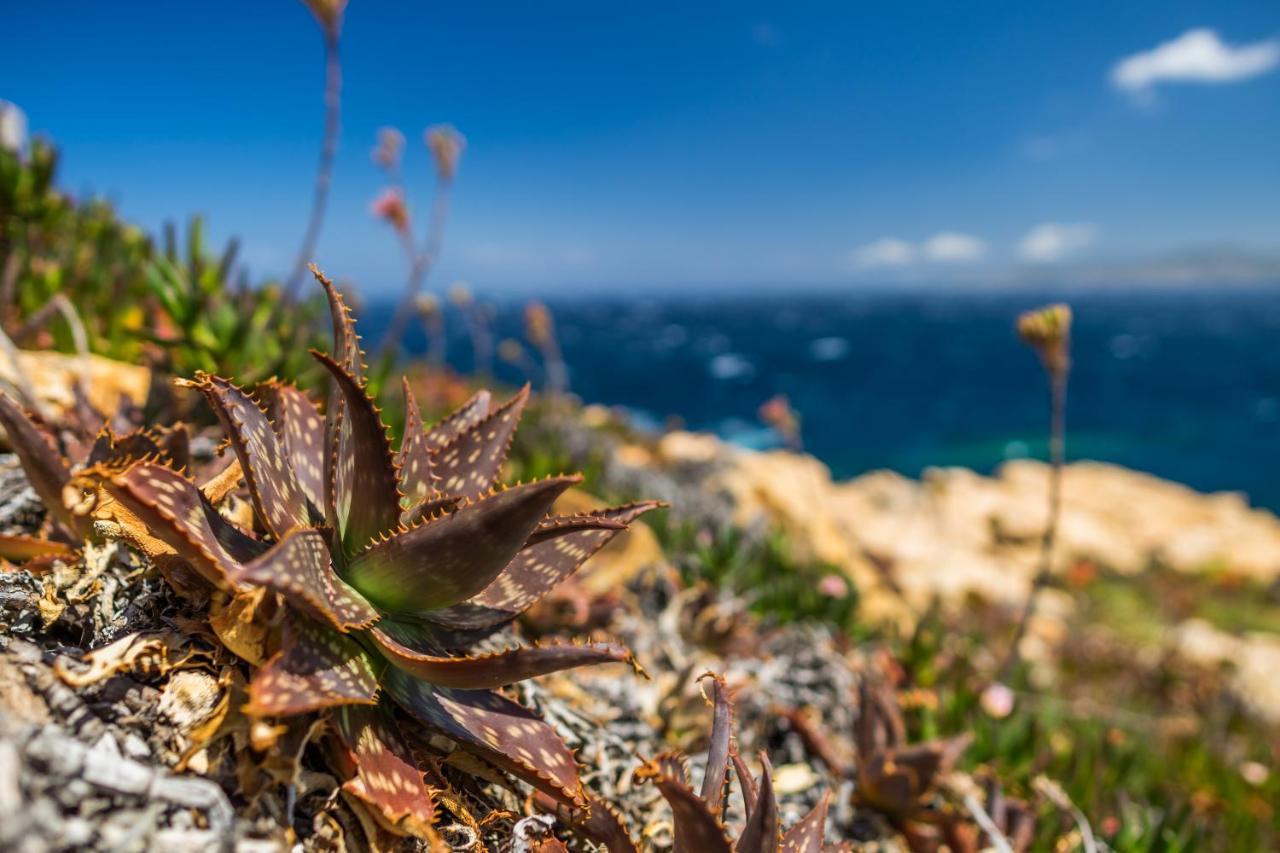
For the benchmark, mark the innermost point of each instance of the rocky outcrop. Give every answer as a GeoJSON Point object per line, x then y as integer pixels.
{"type": "Point", "coordinates": [955, 532]}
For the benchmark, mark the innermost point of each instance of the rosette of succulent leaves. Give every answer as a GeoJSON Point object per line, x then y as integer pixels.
{"type": "Point", "coordinates": [368, 575]}
{"type": "Point", "coordinates": [698, 817]}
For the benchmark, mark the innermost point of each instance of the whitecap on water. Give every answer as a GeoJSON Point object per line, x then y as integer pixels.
{"type": "Point", "coordinates": [828, 349]}
{"type": "Point", "coordinates": [730, 365]}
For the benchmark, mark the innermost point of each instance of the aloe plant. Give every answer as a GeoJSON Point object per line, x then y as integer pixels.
{"type": "Point", "coordinates": [391, 566]}
{"type": "Point", "coordinates": [895, 777]}
{"type": "Point", "coordinates": [698, 817]}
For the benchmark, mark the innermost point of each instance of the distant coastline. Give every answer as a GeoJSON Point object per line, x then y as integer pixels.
{"type": "Point", "coordinates": [1182, 384]}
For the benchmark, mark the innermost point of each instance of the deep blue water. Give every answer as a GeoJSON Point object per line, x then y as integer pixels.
{"type": "Point", "coordinates": [1185, 385]}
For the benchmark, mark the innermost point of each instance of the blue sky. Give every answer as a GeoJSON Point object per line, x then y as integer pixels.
{"type": "Point", "coordinates": [692, 144]}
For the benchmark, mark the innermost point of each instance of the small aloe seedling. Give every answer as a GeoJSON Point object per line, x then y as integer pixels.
{"type": "Point", "coordinates": [698, 817]}
{"type": "Point", "coordinates": [391, 566]}
{"type": "Point", "coordinates": [894, 777]}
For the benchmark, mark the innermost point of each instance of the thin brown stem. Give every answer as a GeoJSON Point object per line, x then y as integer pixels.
{"type": "Point", "coordinates": [420, 264]}
{"type": "Point", "coordinates": [324, 169]}
{"type": "Point", "coordinates": [1057, 457]}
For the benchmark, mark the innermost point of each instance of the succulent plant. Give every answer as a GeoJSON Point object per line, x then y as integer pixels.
{"type": "Point", "coordinates": [49, 458]}
{"type": "Point", "coordinates": [174, 302]}
{"type": "Point", "coordinates": [698, 817]}
{"type": "Point", "coordinates": [389, 566]}
{"type": "Point", "coordinates": [894, 777]}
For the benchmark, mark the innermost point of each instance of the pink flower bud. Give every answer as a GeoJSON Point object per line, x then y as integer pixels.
{"type": "Point", "coordinates": [391, 207]}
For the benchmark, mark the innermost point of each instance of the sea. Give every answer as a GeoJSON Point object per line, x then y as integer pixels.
{"type": "Point", "coordinates": [1182, 384]}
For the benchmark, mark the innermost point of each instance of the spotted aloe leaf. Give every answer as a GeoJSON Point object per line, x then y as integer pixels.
{"type": "Point", "coordinates": [414, 456]}
{"type": "Point", "coordinates": [432, 505]}
{"type": "Point", "coordinates": [368, 502]}
{"type": "Point", "coordinates": [268, 472]}
{"type": "Point", "coordinates": [299, 568]}
{"type": "Point", "coordinates": [503, 732]}
{"type": "Point", "coordinates": [715, 781]}
{"type": "Point", "coordinates": [470, 463]}
{"type": "Point", "coordinates": [109, 447]}
{"type": "Point", "coordinates": [346, 343]}
{"type": "Point", "coordinates": [46, 471]}
{"type": "Point", "coordinates": [387, 777]}
{"type": "Point", "coordinates": [316, 668]}
{"type": "Point", "coordinates": [338, 443]}
{"type": "Point", "coordinates": [497, 669]}
{"type": "Point", "coordinates": [463, 418]}
{"type": "Point", "coordinates": [761, 833]}
{"type": "Point", "coordinates": [175, 512]}
{"type": "Point", "coordinates": [806, 835]}
{"type": "Point", "coordinates": [696, 829]}
{"type": "Point", "coordinates": [438, 563]}
{"type": "Point", "coordinates": [552, 553]}
{"type": "Point", "coordinates": [301, 429]}
{"type": "Point", "coordinates": [175, 445]}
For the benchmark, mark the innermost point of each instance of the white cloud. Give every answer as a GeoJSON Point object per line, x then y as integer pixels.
{"type": "Point", "coordinates": [1196, 56]}
{"type": "Point", "coordinates": [885, 252]}
{"type": "Point", "coordinates": [950, 247]}
{"type": "Point", "coordinates": [943, 247]}
{"type": "Point", "coordinates": [1053, 241]}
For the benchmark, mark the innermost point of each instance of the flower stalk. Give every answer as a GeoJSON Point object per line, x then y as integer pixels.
{"type": "Point", "coordinates": [331, 24]}
{"type": "Point", "coordinates": [1048, 332]}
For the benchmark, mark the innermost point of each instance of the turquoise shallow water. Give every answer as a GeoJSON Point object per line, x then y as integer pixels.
{"type": "Point", "coordinates": [1185, 385]}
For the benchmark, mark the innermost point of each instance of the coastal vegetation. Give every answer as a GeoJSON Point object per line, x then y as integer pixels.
{"type": "Point", "coordinates": [301, 608]}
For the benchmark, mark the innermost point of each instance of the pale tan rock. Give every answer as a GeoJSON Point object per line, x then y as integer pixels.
{"type": "Point", "coordinates": [679, 447]}
{"type": "Point", "coordinates": [634, 456]}
{"type": "Point", "coordinates": [793, 492]}
{"type": "Point", "coordinates": [1254, 661]}
{"type": "Point", "coordinates": [955, 532]}
{"type": "Point", "coordinates": [53, 376]}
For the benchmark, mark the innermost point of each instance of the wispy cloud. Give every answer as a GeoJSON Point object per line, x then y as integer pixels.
{"type": "Point", "coordinates": [1053, 241]}
{"type": "Point", "coordinates": [1196, 56]}
{"type": "Point", "coordinates": [953, 247]}
{"type": "Point", "coordinates": [1047, 147]}
{"type": "Point", "coordinates": [885, 252]}
{"type": "Point", "coordinates": [945, 247]}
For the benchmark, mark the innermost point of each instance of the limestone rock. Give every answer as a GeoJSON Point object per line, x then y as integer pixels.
{"type": "Point", "coordinates": [53, 376]}
{"type": "Point", "coordinates": [1254, 660]}
{"type": "Point", "coordinates": [956, 532]}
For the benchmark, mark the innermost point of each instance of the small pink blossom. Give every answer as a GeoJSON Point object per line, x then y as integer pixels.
{"type": "Point", "coordinates": [833, 586]}
{"type": "Point", "coordinates": [391, 207]}
{"type": "Point", "coordinates": [997, 700]}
